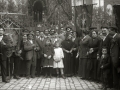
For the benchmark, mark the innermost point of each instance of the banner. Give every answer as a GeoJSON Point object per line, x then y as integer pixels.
{"type": "Point", "coordinates": [83, 17]}
{"type": "Point", "coordinates": [116, 11]}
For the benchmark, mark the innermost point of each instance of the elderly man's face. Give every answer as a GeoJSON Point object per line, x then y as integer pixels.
{"type": "Point", "coordinates": [1, 31]}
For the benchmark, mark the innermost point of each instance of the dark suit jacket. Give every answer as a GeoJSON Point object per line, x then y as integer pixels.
{"type": "Point", "coordinates": [105, 62]}
{"type": "Point", "coordinates": [30, 52]}
{"type": "Point", "coordinates": [115, 50]}
{"type": "Point", "coordinates": [5, 49]}
{"type": "Point", "coordinates": [95, 44]}
{"type": "Point", "coordinates": [106, 43]}
{"type": "Point", "coordinates": [41, 45]}
{"type": "Point", "coordinates": [22, 48]}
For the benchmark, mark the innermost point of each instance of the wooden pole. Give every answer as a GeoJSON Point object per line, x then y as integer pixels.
{"type": "Point", "coordinates": [74, 2]}
{"type": "Point", "coordinates": [83, 2]}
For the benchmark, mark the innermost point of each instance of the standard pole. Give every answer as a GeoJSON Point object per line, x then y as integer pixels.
{"type": "Point", "coordinates": [83, 2]}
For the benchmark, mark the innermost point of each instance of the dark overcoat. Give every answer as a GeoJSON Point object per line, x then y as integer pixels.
{"type": "Point", "coordinates": [48, 50]}
{"type": "Point", "coordinates": [30, 52]}
{"type": "Point", "coordinates": [106, 43]}
{"type": "Point", "coordinates": [105, 62]}
{"type": "Point", "coordinates": [83, 49]}
{"type": "Point", "coordinates": [115, 54]}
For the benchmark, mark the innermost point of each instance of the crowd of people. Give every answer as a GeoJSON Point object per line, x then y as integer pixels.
{"type": "Point", "coordinates": [92, 56]}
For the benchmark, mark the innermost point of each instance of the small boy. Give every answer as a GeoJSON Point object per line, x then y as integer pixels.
{"type": "Point", "coordinates": [105, 67]}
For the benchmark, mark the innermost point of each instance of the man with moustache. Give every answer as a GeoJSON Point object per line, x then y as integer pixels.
{"type": "Point", "coordinates": [31, 48]}
{"type": "Point", "coordinates": [105, 42]}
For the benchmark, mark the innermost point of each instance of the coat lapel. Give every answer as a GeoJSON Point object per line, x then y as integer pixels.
{"type": "Point", "coordinates": [112, 45]}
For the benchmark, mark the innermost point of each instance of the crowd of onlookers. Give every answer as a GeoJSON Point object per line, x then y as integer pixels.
{"type": "Point", "coordinates": [92, 56]}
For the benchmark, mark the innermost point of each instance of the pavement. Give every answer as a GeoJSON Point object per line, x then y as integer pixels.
{"type": "Point", "coordinates": [40, 83]}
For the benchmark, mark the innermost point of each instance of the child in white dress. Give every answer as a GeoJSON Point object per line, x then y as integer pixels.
{"type": "Point", "coordinates": [58, 59]}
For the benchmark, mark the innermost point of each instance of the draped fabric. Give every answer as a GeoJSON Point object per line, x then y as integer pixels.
{"type": "Point", "coordinates": [116, 11]}
{"type": "Point", "coordinates": [83, 17]}
{"type": "Point", "coordinates": [59, 10]}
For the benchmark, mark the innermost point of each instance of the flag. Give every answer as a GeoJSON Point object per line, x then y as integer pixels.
{"type": "Point", "coordinates": [116, 11]}
{"type": "Point", "coordinates": [83, 17]}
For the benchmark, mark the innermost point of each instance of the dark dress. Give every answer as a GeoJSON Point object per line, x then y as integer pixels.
{"type": "Point", "coordinates": [68, 59]}
{"type": "Point", "coordinates": [22, 62]}
{"type": "Point", "coordinates": [92, 63]}
{"type": "Point", "coordinates": [83, 49]}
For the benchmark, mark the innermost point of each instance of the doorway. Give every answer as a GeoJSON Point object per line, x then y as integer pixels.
{"type": "Point", "coordinates": [37, 10]}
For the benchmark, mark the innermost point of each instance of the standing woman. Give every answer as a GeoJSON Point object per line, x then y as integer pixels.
{"type": "Point", "coordinates": [83, 49]}
{"type": "Point", "coordinates": [23, 62]}
{"type": "Point", "coordinates": [67, 45]}
{"type": "Point", "coordinates": [92, 62]}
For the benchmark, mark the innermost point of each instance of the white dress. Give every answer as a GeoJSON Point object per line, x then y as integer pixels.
{"type": "Point", "coordinates": [58, 55]}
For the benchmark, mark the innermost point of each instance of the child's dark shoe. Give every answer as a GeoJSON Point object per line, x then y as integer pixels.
{"type": "Point", "coordinates": [63, 77]}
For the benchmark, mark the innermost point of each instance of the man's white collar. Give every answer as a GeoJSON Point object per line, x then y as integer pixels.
{"type": "Point", "coordinates": [114, 35]}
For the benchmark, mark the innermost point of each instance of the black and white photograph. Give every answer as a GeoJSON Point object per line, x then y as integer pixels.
{"type": "Point", "coordinates": [59, 44]}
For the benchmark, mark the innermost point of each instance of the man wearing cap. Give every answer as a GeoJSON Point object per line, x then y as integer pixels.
{"type": "Point", "coordinates": [30, 48]}
{"type": "Point", "coordinates": [115, 57]}
{"type": "Point", "coordinates": [3, 56]}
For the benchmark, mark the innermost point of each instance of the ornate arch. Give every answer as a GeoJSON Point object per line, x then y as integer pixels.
{"type": "Point", "coordinates": [42, 2]}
